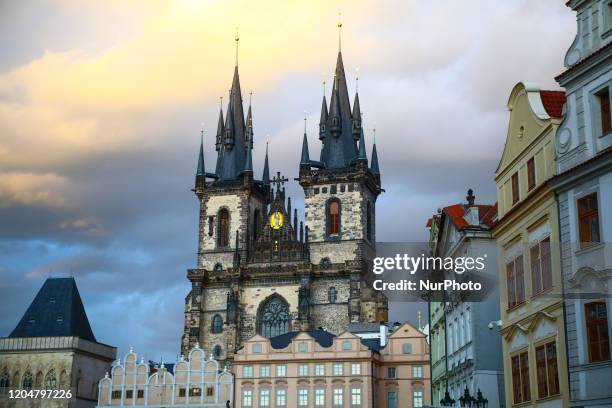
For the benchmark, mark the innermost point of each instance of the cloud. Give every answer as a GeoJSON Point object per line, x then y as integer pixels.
{"type": "Point", "coordinates": [100, 109]}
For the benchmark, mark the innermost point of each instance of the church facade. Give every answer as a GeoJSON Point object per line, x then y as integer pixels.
{"type": "Point", "coordinates": [259, 269]}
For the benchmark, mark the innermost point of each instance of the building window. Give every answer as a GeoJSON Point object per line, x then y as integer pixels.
{"type": "Point", "coordinates": [211, 223]}
{"type": "Point", "coordinates": [369, 221]}
{"type": "Point", "coordinates": [210, 391]}
{"type": "Point", "coordinates": [257, 348]}
{"type": "Point", "coordinates": [217, 351]}
{"type": "Point", "coordinates": [338, 396]}
{"type": "Point", "coordinates": [217, 324]}
{"type": "Point", "coordinates": [515, 278]}
{"type": "Point", "coordinates": [129, 394]}
{"type": "Point", "coordinates": [281, 370]}
{"type": "Point", "coordinates": [320, 397]}
{"type": "Point", "coordinates": [264, 398]}
{"type": "Point", "coordinates": [303, 370]}
{"type": "Point", "coordinates": [598, 339]}
{"type": "Point", "coordinates": [224, 224]}
{"type": "Point", "coordinates": [391, 372]}
{"type": "Point", "coordinates": [417, 372]}
{"type": "Point", "coordinates": [281, 398]}
{"type": "Point", "coordinates": [603, 100]}
{"type": "Point", "coordinates": [320, 370]}
{"type": "Point", "coordinates": [302, 347]}
{"type": "Point", "coordinates": [50, 380]}
{"type": "Point", "coordinates": [255, 225]}
{"type": "Point", "coordinates": [355, 396]}
{"type": "Point", "coordinates": [515, 188]}
{"type": "Point", "coordinates": [346, 345]}
{"type": "Point", "coordinates": [247, 398]}
{"type": "Point", "coordinates": [302, 397]}
{"type": "Point", "coordinates": [520, 378]}
{"type": "Point", "coordinates": [182, 392]}
{"type": "Point", "coordinates": [116, 394]}
{"type": "Point", "coordinates": [588, 219]}
{"type": "Point", "coordinates": [247, 371]}
{"type": "Point", "coordinates": [332, 295]}
{"type": "Point", "coordinates": [531, 176]}
{"type": "Point", "coordinates": [407, 348]}
{"type": "Point", "coordinates": [140, 394]}
{"type": "Point", "coordinates": [264, 371]}
{"type": "Point", "coordinates": [195, 392]}
{"type": "Point", "coordinates": [391, 399]}
{"type": "Point", "coordinates": [5, 381]}
{"type": "Point", "coordinates": [541, 271]}
{"type": "Point", "coordinates": [333, 217]}
{"type": "Point", "coordinates": [417, 398]}
{"type": "Point", "coordinates": [356, 369]}
{"type": "Point", "coordinates": [27, 381]}
{"type": "Point", "coordinates": [274, 317]}
{"type": "Point", "coordinates": [337, 369]}
{"type": "Point", "coordinates": [548, 375]}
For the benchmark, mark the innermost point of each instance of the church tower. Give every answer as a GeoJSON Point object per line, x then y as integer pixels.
{"type": "Point", "coordinates": [259, 269]}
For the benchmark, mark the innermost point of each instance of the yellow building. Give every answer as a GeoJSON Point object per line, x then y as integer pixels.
{"type": "Point", "coordinates": [527, 233]}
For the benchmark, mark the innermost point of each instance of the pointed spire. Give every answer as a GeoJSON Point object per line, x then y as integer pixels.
{"type": "Point", "coordinates": [295, 224]}
{"type": "Point", "coordinates": [248, 163]}
{"type": "Point", "coordinates": [266, 170]}
{"type": "Point", "coordinates": [362, 148]}
{"type": "Point", "coordinates": [356, 118]}
{"type": "Point", "coordinates": [305, 155]}
{"type": "Point", "coordinates": [374, 166]}
{"type": "Point", "coordinates": [220, 127]}
{"type": "Point", "coordinates": [323, 120]}
{"type": "Point", "coordinates": [289, 209]}
{"type": "Point", "coordinates": [200, 170]}
{"type": "Point", "coordinates": [249, 125]}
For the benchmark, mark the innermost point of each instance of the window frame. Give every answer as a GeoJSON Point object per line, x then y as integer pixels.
{"type": "Point", "coordinates": [333, 227]}
{"type": "Point", "coordinates": [319, 400]}
{"type": "Point", "coordinates": [540, 256]}
{"type": "Point", "coordinates": [603, 125]}
{"type": "Point", "coordinates": [597, 324]}
{"type": "Point", "coordinates": [550, 386]}
{"type": "Point", "coordinates": [517, 298]}
{"type": "Point", "coordinates": [337, 369]}
{"type": "Point", "coordinates": [216, 324]}
{"type": "Point", "coordinates": [531, 174]}
{"type": "Point", "coordinates": [356, 396]}
{"type": "Point", "coordinates": [247, 395]}
{"type": "Point", "coordinates": [223, 228]}
{"type": "Point", "coordinates": [302, 393]}
{"type": "Point", "coordinates": [515, 188]}
{"type": "Point", "coordinates": [281, 370]}
{"type": "Point", "coordinates": [588, 214]}
{"type": "Point", "coordinates": [518, 389]}
{"type": "Point", "coordinates": [280, 394]}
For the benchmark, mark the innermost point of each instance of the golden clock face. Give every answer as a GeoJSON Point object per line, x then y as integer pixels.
{"type": "Point", "coordinates": [276, 220]}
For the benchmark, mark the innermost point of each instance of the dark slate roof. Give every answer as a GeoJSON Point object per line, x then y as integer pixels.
{"type": "Point", "coordinates": [324, 338]}
{"type": "Point", "coordinates": [57, 310]}
{"type": "Point", "coordinates": [372, 344]}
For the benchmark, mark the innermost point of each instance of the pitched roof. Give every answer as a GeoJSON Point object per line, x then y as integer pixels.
{"type": "Point", "coordinates": [553, 102]}
{"type": "Point", "coordinates": [57, 310]}
{"type": "Point", "coordinates": [486, 215]}
{"type": "Point", "coordinates": [324, 338]}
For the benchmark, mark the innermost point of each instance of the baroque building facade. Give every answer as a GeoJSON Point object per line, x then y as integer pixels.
{"type": "Point", "coordinates": [527, 233]}
{"type": "Point", "coordinates": [259, 270]}
{"type": "Point", "coordinates": [317, 369]}
{"type": "Point", "coordinates": [53, 348]}
{"type": "Point", "coordinates": [583, 188]}
{"type": "Point", "coordinates": [467, 355]}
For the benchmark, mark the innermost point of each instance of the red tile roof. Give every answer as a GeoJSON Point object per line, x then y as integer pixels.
{"type": "Point", "coordinates": [553, 102]}
{"type": "Point", "coordinates": [486, 215]}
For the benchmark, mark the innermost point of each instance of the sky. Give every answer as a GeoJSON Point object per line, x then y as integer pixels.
{"type": "Point", "coordinates": [101, 105]}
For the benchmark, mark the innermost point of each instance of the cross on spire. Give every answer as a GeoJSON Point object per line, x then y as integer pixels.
{"type": "Point", "coordinates": [279, 180]}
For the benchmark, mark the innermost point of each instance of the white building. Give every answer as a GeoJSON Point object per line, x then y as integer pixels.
{"type": "Point", "coordinates": [584, 193]}
{"type": "Point", "coordinates": [195, 381]}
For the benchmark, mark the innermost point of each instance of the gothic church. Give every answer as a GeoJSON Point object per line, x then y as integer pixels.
{"type": "Point", "coordinates": [259, 269]}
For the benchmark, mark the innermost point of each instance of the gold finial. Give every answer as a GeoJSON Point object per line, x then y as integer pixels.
{"type": "Point", "coordinates": [237, 39]}
{"type": "Point", "coordinates": [339, 32]}
{"type": "Point", "coordinates": [221, 102]}
{"type": "Point", "coordinates": [357, 79]}
{"type": "Point", "coordinates": [305, 121]}
{"type": "Point", "coordinates": [374, 135]}
{"type": "Point", "coordinates": [250, 97]}
{"type": "Point", "coordinates": [202, 132]}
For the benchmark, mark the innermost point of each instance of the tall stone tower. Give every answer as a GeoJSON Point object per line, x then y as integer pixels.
{"type": "Point", "coordinates": [259, 270]}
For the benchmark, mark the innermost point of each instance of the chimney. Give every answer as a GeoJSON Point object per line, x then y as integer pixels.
{"type": "Point", "coordinates": [384, 333]}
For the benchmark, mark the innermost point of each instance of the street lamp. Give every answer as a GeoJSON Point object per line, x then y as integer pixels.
{"type": "Point", "coordinates": [480, 401]}
{"type": "Point", "coordinates": [447, 401]}
{"type": "Point", "coordinates": [466, 399]}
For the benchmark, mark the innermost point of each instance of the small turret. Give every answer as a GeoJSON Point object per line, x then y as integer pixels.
{"type": "Point", "coordinates": [265, 178]}
{"type": "Point", "coordinates": [374, 166]}
{"type": "Point", "coordinates": [356, 118]}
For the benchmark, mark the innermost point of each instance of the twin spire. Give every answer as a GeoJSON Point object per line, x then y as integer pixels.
{"type": "Point", "coordinates": [340, 131]}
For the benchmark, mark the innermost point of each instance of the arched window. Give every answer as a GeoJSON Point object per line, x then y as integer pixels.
{"type": "Point", "coordinates": [332, 294]}
{"type": "Point", "coordinates": [39, 380]}
{"type": "Point", "coordinates": [369, 221]}
{"type": "Point", "coordinates": [63, 378]}
{"type": "Point", "coordinates": [217, 324]}
{"type": "Point", "coordinates": [5, 381]}
{"type": "Point", "coordinates": [27, 381]}
{"type": "Point", "coordinates": [274, 317]}
{"type": "Point", "coordinates": [223, 237]}
{"type": "Point", "coordinates": [217, 351]}
{"type": "Point", "coordinates": [16, 378]}
{"type": "Point", "coordinates": [218, 267]}
{"type": "Point", "coordinates": [50, 380]}
{"type": "Point", "coordinates": [256, 224]}
{"type": "Point", "coordinates": [333, 217]}
{"type": "Point", "coordinates": [325, 261]}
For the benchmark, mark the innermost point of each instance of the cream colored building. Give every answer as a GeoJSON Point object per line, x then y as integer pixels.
{"type": "Point", "coordinates": [195, 381]}
{"type": "Point", "coordinates": [318, 369]}
{"type": "Point", "coordinates": [532, 329]}
{"type": "Point", "coordinates": [53, 348]}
